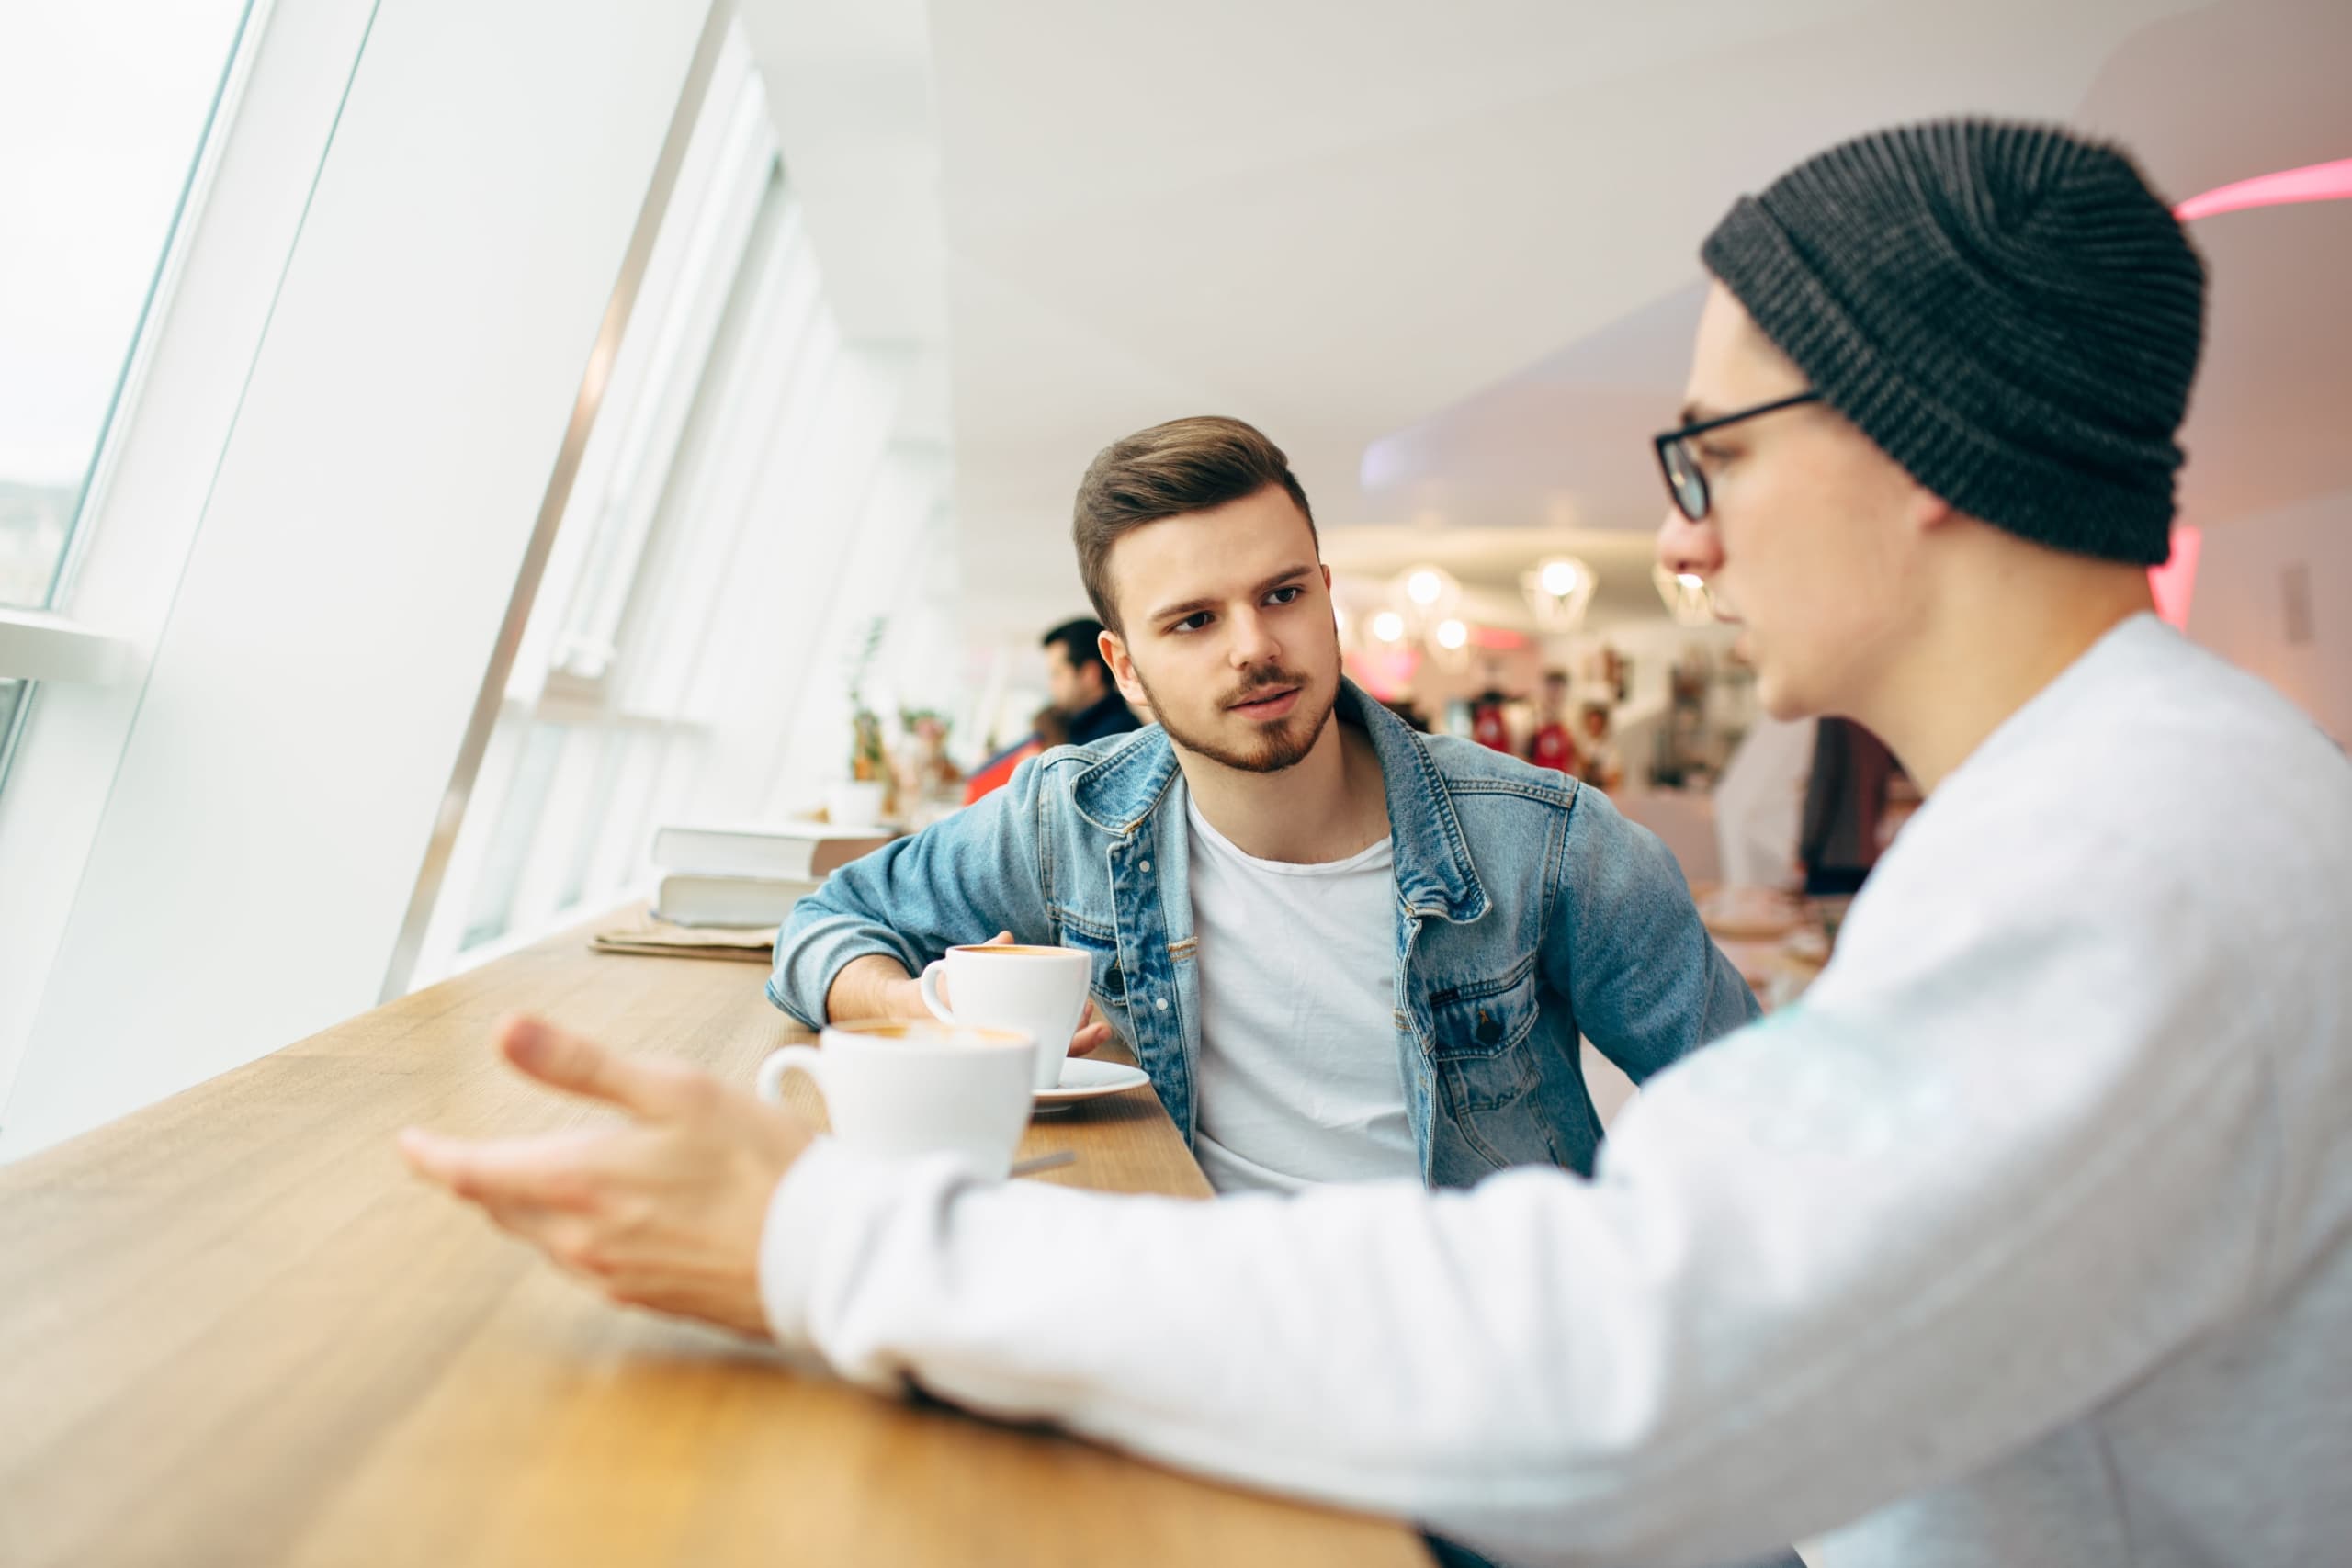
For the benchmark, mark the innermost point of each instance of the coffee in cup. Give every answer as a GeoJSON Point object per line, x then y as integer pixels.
{"type": "Point", "coordinates": [1036, 991]}
{"type": "Point", "coordinates": [900, 1087]}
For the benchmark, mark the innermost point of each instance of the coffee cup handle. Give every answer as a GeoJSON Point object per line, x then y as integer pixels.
{"type": "Point", "coordinates": [930, 985]}
{"type": "Point", "coordinates": [785, 1059]}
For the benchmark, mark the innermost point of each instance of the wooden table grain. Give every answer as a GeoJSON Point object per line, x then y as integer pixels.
{"type": "Point", "coordinates": [235, 1331]}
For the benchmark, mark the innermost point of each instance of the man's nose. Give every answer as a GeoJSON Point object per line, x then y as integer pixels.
{"type": "Point", "coordinates": [1684, 546]}
{"type": "Point", "coordinates": [1253, 641]}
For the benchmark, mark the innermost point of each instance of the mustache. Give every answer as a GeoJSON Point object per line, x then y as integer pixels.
{"type": "Point", "coordinates": [1273, 678]}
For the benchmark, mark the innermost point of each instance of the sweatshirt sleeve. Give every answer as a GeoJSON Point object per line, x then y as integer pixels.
{"type": "Point", "coordinates": [1855, 1251]}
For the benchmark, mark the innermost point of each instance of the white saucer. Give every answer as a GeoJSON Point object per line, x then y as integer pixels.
{"type": "Point", "coordinates": [1083, 1079]}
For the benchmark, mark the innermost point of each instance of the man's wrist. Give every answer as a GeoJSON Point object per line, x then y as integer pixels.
{"type": "Point", "coordinates": [873, 985]}
{"type": "Point", "coordinates": [903, 998]}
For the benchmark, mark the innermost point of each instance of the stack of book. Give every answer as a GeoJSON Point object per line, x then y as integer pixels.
{"type": "Point", "coordinates": [749, 876]}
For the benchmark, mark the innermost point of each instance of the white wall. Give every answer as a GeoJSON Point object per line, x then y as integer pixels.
{"type": "Point", "coordinates": [355, 556]}
{"type": "Point", "coordinates": [2239, 608]}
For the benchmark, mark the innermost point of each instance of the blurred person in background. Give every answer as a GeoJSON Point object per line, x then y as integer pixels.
{"type": "Point", "coordinates": [1047, 729]}
{"type": "Point", "coordinates": [1079, 683]}
{"type": "Point", "coordinates": [1489, 727]}
{"type": "Point", "coordinates": [1552, 744]}
{"type": "Point", "coordinates": [1597, 761]}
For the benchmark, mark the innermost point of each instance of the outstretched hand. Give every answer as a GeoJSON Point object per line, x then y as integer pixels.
{"type": "Point", "coordinates": [664, 1212]}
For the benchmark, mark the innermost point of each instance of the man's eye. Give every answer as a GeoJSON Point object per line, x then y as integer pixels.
{"type": "Point", "coordinates": [1192, 623]}
{"type": "Point", "coordinates": [1285, 595]}
{"type": "Point", "coordinates": [1712, 455]}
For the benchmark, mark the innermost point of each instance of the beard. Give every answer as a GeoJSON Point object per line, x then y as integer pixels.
{"type": "Point", "coordinates": [1278, 746]}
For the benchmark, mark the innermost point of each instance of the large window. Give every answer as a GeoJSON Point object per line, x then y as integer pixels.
{"type": "Point", "coordinates": [102, 110]}
{"type": "Point", "coordinates": [365, 353]}
{"type": "Point", "coordinates": [695, 576]}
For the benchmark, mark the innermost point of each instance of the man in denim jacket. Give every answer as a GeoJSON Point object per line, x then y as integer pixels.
{"type": "Point", "coordinates": [1403, 935]}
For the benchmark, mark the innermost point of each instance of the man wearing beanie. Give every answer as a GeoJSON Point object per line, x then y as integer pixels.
{"type": "Point", "coordinates": [2025, 1239]}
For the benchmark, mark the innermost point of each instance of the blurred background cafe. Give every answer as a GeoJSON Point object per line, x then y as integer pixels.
{"type": "Point", "coordinates": [458, 461]}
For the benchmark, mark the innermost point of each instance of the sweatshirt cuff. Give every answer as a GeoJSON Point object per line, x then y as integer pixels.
{"type": "Point", "coordinates": [806, 1204]}
{"type": "Point", "coordinates": [820, 1224]}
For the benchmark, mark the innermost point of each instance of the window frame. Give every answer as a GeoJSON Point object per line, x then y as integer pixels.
{"type": "Point", "coordinates": [84, 657]}
{"type": "Point", "coordinates": [290, 682]}
{"type": "Point", "coordinates": [37, 643]}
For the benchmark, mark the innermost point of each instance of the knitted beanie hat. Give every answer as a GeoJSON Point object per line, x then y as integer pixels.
{"type": "Point", "coordinates": [2008, 310]}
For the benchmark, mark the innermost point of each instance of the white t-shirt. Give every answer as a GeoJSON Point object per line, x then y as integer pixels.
{"type": "Point", "coordinates": [1298, 1080]}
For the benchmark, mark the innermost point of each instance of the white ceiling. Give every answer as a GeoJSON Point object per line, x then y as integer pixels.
{"type": "Point", "coordinates": [1446, 255]}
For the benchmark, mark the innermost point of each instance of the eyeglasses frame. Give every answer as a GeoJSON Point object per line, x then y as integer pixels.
{"type": "Point", "coordinates": [1664, 443]}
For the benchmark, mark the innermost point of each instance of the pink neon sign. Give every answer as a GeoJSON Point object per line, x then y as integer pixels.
{"type": "Point", "coordinates": [2314, 182]}
{"type": "Point", "coordinates": [2174, 583]}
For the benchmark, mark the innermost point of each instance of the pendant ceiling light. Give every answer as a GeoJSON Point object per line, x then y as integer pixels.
{"type": "Point", "coordinates": [1558, 590]}
{"type": "Point", "coordinates": [1450, 644]}
{"type": "Point", "coordinates": [1424, 595]}
{"type": "Point", "coordinates": [1686, 596]}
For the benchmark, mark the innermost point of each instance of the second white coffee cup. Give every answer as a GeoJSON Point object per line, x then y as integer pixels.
{"type": "Point", "coordinates": [899, 1086]}
{"type": "Point", "coordinates": [1036, 991]}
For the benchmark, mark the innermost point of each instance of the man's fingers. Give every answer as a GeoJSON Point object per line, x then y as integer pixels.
{"type": "Point", "coordinates": [1001, 939]}
{"type": "Point", "coordinates": [570, 1241]}
{"type": "Point", "coordinates": [561, 1059]}
{"type": "Point", "coordinates": [558, 1170]}
{"type": "Point", "coordinates": [1092, 1038]}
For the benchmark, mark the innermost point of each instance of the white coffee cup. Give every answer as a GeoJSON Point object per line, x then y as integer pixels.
{"type": "Point", "coordinates": [902, 1087]}
{"type": "Point", "coordinates": [1036, 991]}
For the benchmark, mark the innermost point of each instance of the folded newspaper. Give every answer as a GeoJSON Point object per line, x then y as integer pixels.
{"type": "Point", "coordinates": [659, 938]}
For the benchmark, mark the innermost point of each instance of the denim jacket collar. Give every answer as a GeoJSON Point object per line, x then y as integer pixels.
{"type": "Point", "coordinates": [1435, 875]}
{"type": "Point", "coordinates": [1119, 794]}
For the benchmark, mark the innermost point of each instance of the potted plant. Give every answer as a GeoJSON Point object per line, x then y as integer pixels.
{"type": "Point", "coordinates": [862, 800]}
{"type": "Point", "coordinates": [924, 773]}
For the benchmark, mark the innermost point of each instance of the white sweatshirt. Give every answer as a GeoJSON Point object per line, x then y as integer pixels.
{"type": "Point", "coordinates": [2025, 1239]}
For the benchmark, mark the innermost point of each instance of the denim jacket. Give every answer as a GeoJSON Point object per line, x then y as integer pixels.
{"type": "Point", "coordinates": [1528, 911]}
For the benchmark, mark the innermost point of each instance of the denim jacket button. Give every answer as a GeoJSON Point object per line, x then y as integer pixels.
{"type": "Point", "coordinates": [1146, 866]}
{"type": "Point", "coordinates": [1160, 1002]}
{"type": "Point", "coordinates": [1489, 1029]}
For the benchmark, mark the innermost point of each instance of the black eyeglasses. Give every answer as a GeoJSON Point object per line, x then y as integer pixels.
{"type": "Point", "coordinates": [1684, 480]}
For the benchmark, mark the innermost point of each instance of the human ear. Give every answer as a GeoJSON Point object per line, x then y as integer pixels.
{"type": "Point", "coordinates": [1122, 669]}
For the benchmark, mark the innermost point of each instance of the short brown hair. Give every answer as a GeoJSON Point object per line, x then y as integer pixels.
{"type": "Point", "coordinates": [1186, 465]}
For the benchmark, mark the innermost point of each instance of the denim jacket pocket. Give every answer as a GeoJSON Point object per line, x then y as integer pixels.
{"type": "Point", "coordinates": [1495, 1106]}
{"type": "Point", "coordinates": [1486, 1018]}
{"type": "Point", "coordinates": [1108, 983]}
{"type": "Point", "coordinates": [1489, 1087]}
